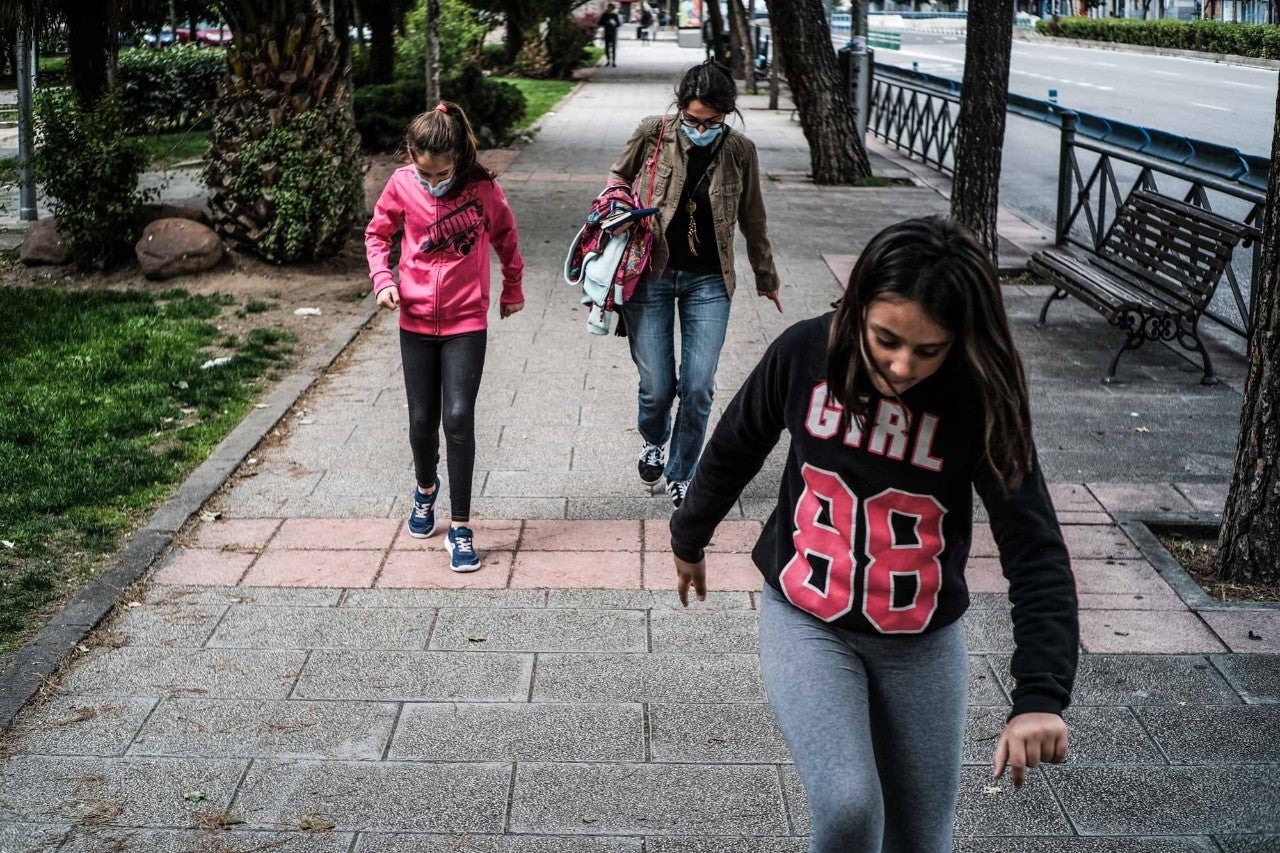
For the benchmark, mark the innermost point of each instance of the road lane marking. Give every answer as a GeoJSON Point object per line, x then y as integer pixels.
{"type": "Point", "coordinates": [1211, 107]}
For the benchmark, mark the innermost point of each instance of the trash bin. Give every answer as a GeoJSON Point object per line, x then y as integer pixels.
{"type": "Point", "coordinates": [856, 62]}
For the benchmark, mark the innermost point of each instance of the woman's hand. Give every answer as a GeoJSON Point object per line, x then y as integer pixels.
{"type": "Point", "coordinates": [690, 573]}
{"type": "Point", "coordinates": [1029, 739]}
{"type": "Point", "coordinates": [772, 296]}
{"type": "Point", "coordinates": [389, 297]}
{"type": "Point", "coordinates": [506, 309]}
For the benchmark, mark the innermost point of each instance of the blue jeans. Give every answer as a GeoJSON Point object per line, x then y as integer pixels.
{"type": "Point", "coordinates": [703, 305]}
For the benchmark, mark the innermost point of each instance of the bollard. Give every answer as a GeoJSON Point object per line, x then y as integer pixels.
{"type": "Point", "coordinates": [915, 66]}
{"type": "Point", "coordinates": [1053, 96]}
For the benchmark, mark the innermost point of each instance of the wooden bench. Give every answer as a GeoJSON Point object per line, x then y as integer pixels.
{"type": "Point", "coordinates": [1154, 275]}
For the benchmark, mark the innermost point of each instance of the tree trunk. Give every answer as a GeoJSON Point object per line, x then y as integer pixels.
{"type": "Point", "coordinates": [341, 17]}
{"type": "Point", "coordinates": [740, 40]}
{"type": "Point", "coordinates": [382, 53]}
{"type": "Point", "coordinates": [1249, 540]}
{"type": "Point", "coordinates": [516, 22]}
{"type": "Point", "coordinates": [824, 103]}
{"type": "Point", "coordinates": [712, 9]}
{"type": "Point", "coordinates": [975, 195]}
{"type": "Point", "coordinates": [433, 53]}
{"type": "Point", "coordinates": [752, 87]}
{"type": "Point", "coordinates": [91, 43]}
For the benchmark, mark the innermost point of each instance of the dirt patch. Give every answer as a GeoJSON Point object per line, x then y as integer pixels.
{"type": "Point", "coordinates": [1196, 550]}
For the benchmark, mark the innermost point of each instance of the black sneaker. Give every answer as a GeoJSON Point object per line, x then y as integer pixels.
{"type": "Point", "coordinates": [677, 489]}
{"type": "Point", "coordinates": [650, 465]}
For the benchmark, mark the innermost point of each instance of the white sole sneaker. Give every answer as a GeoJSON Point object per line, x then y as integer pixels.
{"type": "Point", "coordinates": [427, 535]}
{"type": "Point", "coordinates": [448, 546]}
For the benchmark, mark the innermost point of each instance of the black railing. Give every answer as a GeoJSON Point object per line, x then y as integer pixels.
{"type": "Point", "coordinates": [1100, 162]}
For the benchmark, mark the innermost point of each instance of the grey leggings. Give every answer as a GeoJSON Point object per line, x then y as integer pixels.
{"type": "Point", "coordinates": [441, 380]}
{"type": "Point", "coordinates": [875, 725]}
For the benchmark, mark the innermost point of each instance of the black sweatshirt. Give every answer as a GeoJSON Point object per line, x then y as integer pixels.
{"type": "Point", "coordinates": [873, 526]}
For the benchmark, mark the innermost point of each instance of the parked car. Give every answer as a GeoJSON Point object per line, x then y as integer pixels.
{"type": "Point", "coordinates": [159, 38]}
{"type": "Point", "coordinates": [213, 35]}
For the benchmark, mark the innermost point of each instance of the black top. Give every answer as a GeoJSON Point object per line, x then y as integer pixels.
{"type": "Point", "coordinates": [611, 22]}
{"type": "Point", "coordinates": [707, 261]}
{"type": "Point", "coordinates": [873, 525]}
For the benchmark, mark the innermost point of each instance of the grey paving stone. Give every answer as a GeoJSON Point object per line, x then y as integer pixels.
{"type": "Point", "coordinates": [261, 596]}
{"type": "Point", "coordinates": [181, 625]}
{"type": "Point", "coordinates": [647, 678]}
{"type": "Point", "coordinates": [416, 676]}
{"type": "Point", "coordinates": [1169, 800]}
{"type": "Point", "coordinates": [540, 630]}
{"type": "Point", "coordinates": [1257, 677]}
{"type": "Point", "coordinates": [631, 799]}
{"type": "Point", "coordinates": [246, 626]}
{"type": "Point", "coordinates": [1249, 843]}
{"type": "Point", "coordinates": [125, 791]}
{"type": "Point", "coordinates": [668, 844]}
{"type": "Point", "coordinates": [984, 682]}
{"type": "Point", "coordinates": [135, 671]}
{"type": "Point", "coordinates": [293, 729]}
{"type": "Point", "coordinates": [474, 843]}
{"type": "Point", "coordinates": [612, 506]}
{"type": "Point", "coordinates": [104, 839]}
{"type": "Point", "coordinates": [79, 725]}
{"type": "Point", "coordinates": [644, 599]}
{"type": "Point", "coordinates": [1141, 680]}
{"type": "Point", "coordinates": [1097, 736]}
{"type": "Point", "coordinates": [32, 837]}
{"type": "Point", "coordinates": [988, 631]}
{"type": "Point", "coordinates": [1236, 734]}
{"type": "Point", "coordinates": [519, 731]}
{"type": "Point", "coordinates": [379, 797]}
{"type": "Point", "coordinates": [715, 631]}
{"type": "Point", "coordinates": [445, 598]}
{"type": "Point", "coordinates": [715, 734]}
{"type": "Point", "coordinates": [1163, 844]}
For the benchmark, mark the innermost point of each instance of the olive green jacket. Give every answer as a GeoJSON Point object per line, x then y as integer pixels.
{"type": "Point", "coordinates": [734, 190]}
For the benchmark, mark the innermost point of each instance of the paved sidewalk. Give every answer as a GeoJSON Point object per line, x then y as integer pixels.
{"type": "Point", "coordinates": [298, 675]}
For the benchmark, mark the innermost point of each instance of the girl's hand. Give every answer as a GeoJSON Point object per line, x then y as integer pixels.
{"type": "Point", "coordinates": [389, 297]}
{"type": "Point", "coordinates": [505, 310]}
{"type": "Point", "coordinates": [690, 573]}
{"type": "Point", "coordinates": [1029, 739]}
{"type": "Point", "coordinates": [772, 296]}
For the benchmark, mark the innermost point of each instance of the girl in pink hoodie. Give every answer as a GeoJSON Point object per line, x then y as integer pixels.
{"type": "Point", "coordinates": [450, 208]}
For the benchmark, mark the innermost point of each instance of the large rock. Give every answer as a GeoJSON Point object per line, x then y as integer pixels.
{"type": "Point", "coordinates": [43, 244]}
{"type": "Point", "coordinates": [174, 247]}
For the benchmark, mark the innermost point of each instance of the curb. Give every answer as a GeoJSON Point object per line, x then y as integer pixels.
{"type": "Point", "coordinates": [1178, 53]}
{"type": "Point", "coordinates": [36, 664]}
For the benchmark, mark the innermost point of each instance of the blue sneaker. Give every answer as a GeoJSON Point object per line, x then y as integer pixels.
{"type": "Point", "coordinates": [422, 518]}
{"type": "Point", "coordinates": [462, 550]}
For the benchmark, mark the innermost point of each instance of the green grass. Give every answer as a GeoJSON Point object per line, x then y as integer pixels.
{"type": "Point", "coordinates": [52, 65]}
{"type": "Point", "coordinates": [166, 150]}
{"type": "Point", "coordinates": [593, 52]}
{"type": "Point", "coordinates": [539, 96]}
{"type": "Point", "coordinates": [104, 408]}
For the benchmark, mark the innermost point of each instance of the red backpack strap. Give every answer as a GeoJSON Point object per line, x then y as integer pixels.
{"type": "Point", "coordinates": [653, 161]}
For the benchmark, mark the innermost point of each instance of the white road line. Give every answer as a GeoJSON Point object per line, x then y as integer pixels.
{"type": "Point", "coordinates": [1212, 107]}
{"type": "Point", "coordinates": [1166, 73]}
{"type": "Point", "coordinates": [1245, 85]}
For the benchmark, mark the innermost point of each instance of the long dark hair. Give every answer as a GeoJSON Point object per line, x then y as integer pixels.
{"type": "Point", "coordinates": [446, 130]}
{"type": "Point", "coordinates": [711, 83]}
{"type": "Point", "coordinates": [940, 265]}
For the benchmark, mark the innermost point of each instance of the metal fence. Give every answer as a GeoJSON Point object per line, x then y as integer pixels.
{"type": "Point", "coordinates": [1100, 161]}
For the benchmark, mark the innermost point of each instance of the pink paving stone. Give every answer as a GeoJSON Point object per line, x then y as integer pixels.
{"type": "Point", "coordinates": [562, 569]}
{"type": "Point", "coordinates": [984, 543]}
{"type": "Point", "coordinates": [983, 574]}
{"type": "Point", "coordinates": [1234, 627]}
{"type": "Point", "coordinates": [840, 266]}
{"type": "Point", "coordinates": [1101, 541]}
{"type": "Point", "coordinates": [1145, 632]}
{"type": "Point", "coordinates": [1065, 518]}
{"type": "Point", "coordinates": [344, 534]}
{"type": "Point", "coordinates": [548, 535]}
{"type": "Point", "coordinates": [737, 537]}
{"type": "Point", "coordinates": [1167, 600]}
{"type": "Point", "coordinates": [1073, 497]}
{"type": "Point", "coordinates": [237, 534]}
{"type": "Point", "coordinates": [490, 536]}
{"type": "Point", "coordinates": [725, 572]}
{"type": "Point", "coordinates": [314, 568]}
{"type": "Point", "coordinates": [203, 566]}
{"type": "Point", "coordinates": [418, 570]}
{"type": "Point", "coordinates": [1118, 577]}
{"type": "Point", "coordinates": [1140, 497]}
{"type": "Point", "coordinates": [1205, 497]}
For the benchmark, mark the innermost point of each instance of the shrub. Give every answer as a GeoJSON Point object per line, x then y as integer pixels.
{"type": "Point", "coordinates": [567, 40]}
{"type": "Point", "coordinates": [1256, 40]}
{"type": "Point", "coordinates": [383, 112]}
{"type": "Point", "coordinates": [171, 89]}
{"type": "Point", "coordinates": [461, 33]}
{"type": "Point", "coordinates": [534, 61]}
{"type": "Point", "coordinates": [89, 168]}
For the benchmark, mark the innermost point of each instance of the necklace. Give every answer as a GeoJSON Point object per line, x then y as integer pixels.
{"type": "Point", "coordinates": [691, 206]}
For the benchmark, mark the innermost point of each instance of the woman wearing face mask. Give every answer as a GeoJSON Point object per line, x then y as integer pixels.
{"type": "Point", "coordinates": [704, 178]}
{"type": "Point", "coordinates": [450, 208]}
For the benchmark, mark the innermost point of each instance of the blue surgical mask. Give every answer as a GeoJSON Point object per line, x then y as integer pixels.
{"type": "Point", "coordinates": [702, 139]}
{"type": "Point", "coordinates": [436, 190]}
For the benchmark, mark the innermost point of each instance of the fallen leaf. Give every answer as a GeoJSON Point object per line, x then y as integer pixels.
{"type": "Point", "coordinates": [1141, 429]}
{"type": "Point", "coordinates": [1253, 636]}
{"type": "Point", "coordinates": [8, 543]}
{"type": "Point", "coordinates": [210, 516]}
{"type": "Point", "coordinates": [477, 639]}
{"type": "Point", "coordinates": [315, 823]}
{"type": "Point", "coordinates": [307, 312]}
{"type": "Point", "coordinates": [194, 796]}
{"type": "Point", "coordinates": [1121, 633]}
{"type": "Point", "coordinates": [216, 362]}
{"type": "Point", "coordinates": [990, 789]}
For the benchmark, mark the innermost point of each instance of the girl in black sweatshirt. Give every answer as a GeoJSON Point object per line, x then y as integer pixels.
{"type": "Point", "coordinates": [900, 404]}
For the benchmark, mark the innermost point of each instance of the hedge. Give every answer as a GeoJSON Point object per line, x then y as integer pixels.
{"type": "Point", "coordinates": [1261, 41]}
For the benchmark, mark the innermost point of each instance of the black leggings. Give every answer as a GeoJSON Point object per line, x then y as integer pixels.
{"type": "Point", "coordinates": [441, 380]}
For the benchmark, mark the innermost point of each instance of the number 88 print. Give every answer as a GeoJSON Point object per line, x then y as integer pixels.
{"type": "Point", "coordinates": [887, 561]}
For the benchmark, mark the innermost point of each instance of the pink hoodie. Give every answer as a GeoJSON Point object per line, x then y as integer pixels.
{"type": "Point", "coordinates": [444, 253]}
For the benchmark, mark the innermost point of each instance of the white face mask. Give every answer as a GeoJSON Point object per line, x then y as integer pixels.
{"type": "Point", "coordinates": [436, 190]}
